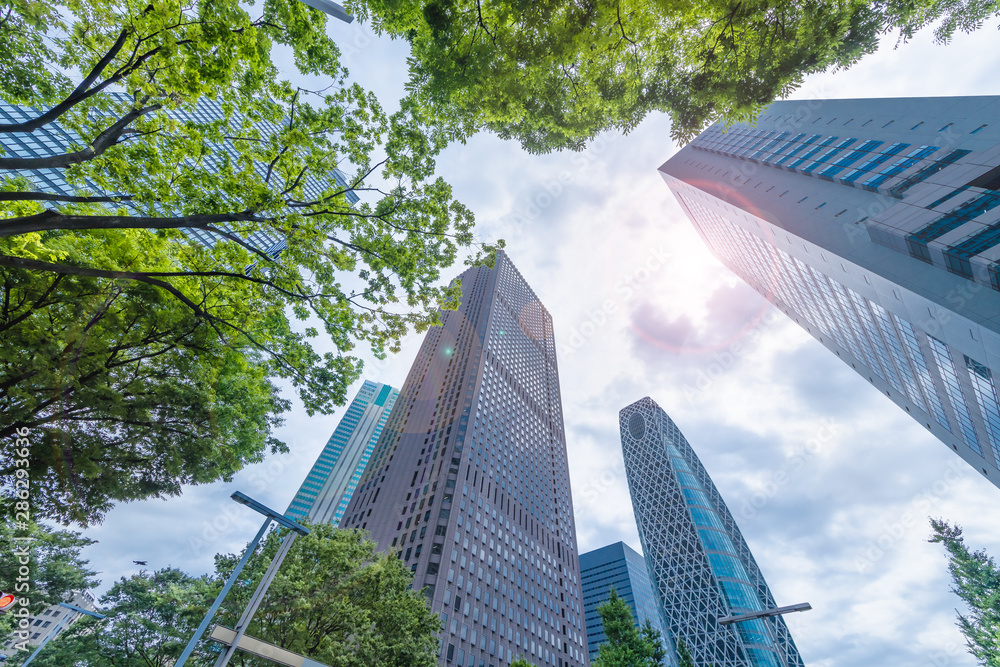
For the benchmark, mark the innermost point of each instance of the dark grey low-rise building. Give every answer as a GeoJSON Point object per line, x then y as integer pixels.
{"type": "Point", "coordinates": [622, 568]}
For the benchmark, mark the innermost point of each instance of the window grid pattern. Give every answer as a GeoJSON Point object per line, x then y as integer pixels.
{"type": "Point", "coordinates": [954, 390]}
{"type": "Point", "coordinates": [886, 344]}
{"type": "Point", "coordinates": [861, 306]}
{"type": "Point", "coordinates": [898, 167]}
{"type": "Point", "coordinates": [989, 402]}
{"type": "Point", "coordinates": [899, 357]}
{"type": "Point", "coordinates": [966, 212]}
{"type": "Point", "coordinates": [617, 566]}
{"type": "Point", "coordinates": [828, 156]}
{"type": "Point", "coordinates": [957, 257]}
{"type": "Point", "coordinates": [329, 485]}
{"type": "Point", "coordinates": [491, 537]}
{"type": "Point", "coordinates": [899, 190]}
{"type": "Point", "coordinates": [803, 155]}
{"type": "Point", "coordinates": [53, 139]}
{"type": "Point", "coordinates": [699, 563]}
{"type": "Point", "coordinates": [916, 358]}
{"type": "Point", "coordinates": [806, 290]}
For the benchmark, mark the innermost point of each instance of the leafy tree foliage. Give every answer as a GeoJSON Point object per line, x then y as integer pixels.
{"type": "Point", "coordinates": [553, 74]}
{"type": "Point", "coordinates": [909, 16]}
{"type": "Point", "coordinates": [521, 662]}
{"type": "Point", "coordinates": [149, 619]}
{"type": "Point", "coordinates": [625, 645]}
{"type": "Point", "coordinates": [140, 360]}
{"type": "Point", "coordinates": [339, 602]}
{"type": "Point", "coordinates": [127, 393]}
{"type": "Point", "coordinates": [334, 600]}
{"type": "Point", "coordinates": [654, 641]}
{"type": "Point", "coordinates": [57, 568]}
{"type": "Point", "coordinates": [976, 579]}
{"type": "Point", "coordinates": [684, 654]}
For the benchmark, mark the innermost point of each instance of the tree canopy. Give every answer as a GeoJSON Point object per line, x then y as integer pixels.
{"type": "Point", "coordinates": [149, 618]}
{"type": "Point", "coordinates": [684, 655]}
{"type": "Point", "coordinates": [975, 579]}
{"type": "Point", "coordinates": [57, 568]}
{"type": "Point", "coordinates": [554, 74]}
{"type": "Point", "coordinates": [334, 600]}
{"type": "Point", "coordinates": [138, 359]}
{"type": "Point", "coordinates": [338, 601]}
{"type": "Point", "coordinates": [627, 646]}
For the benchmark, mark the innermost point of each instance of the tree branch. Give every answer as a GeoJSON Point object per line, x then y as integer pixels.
{"type": "Point", "coordinates": [48, 196]}
{"type": "Point", "coordinates": [38, 265]}
{"type": "Point", "coordinates": [51, 220]}
{"type": "Point", "coordinates": [101, 143]}
{"type": "Point", "coordinates": [78, 95]}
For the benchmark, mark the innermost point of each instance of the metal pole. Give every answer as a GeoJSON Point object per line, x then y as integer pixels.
{"type": "Point", "coordinates": [52, 633]}
{"type": "Point", "coordinates": [329, 7]}
{"type": "Point", "coordinates": [222, 594]}
{"type": "Point", "coordinates": [258, 597]}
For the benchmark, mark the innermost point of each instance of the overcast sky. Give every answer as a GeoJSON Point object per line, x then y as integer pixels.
{"type": "Point", "coordinates": [642, 309]}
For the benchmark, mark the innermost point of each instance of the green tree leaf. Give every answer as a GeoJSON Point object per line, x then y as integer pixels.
{"type": "Point", "coordinates": [976, 580]}
{"type": "Point", "coordinates": [552, 75]}
{"type": "Point", "coordinates": [139, 360]}
{"type": "Point", "coordinates": [625, 646]}
{"type": "Point", "coordinates": [56, 567]}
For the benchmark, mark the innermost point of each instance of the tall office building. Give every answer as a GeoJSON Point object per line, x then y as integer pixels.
{"type": "Point", "coordinates": [328, 487]}
{"type": "Point", "coordinates": [470, 481]}
{"type": "Point", "coordinates": [53, 139]}
{"type": "Point", "coordinates": [702, 569]}
{"type": "Point", "coordinates": [874, 224]}
{"type": "Point", "coordinates": [41, 625]}
{"type": "Point", "coordinates": [620, 567]}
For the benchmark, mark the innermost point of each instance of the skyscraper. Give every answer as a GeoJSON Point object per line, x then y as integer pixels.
{"type": "Point", "coordinates": [620, 567]}
{"type": "Point", "coordinates": [53, 139]}
{"type": "Point", "coordinates": [491, 536]}
{"type": "Point", "coordinates": [328, 487]}
{"type": "Point", "coordinates": [41, 625]}
{"type": "Point", "coordinates": [874, 224]}
{"type": "Point", "coordinates": [702, 569]}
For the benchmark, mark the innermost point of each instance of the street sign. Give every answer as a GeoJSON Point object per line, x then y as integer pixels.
{"type": "Point", "coordinates": [262, 649]}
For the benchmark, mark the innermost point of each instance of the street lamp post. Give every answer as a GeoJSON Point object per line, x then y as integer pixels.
{"type": "Point", "coordinates": [54, 631]}
{"type": "Point", "coordinates": [269, 516]}
{"type": "Point", "coordinates": [332, 8]}
{"type": "Point", "coordinates": [802, 606]}
{"type": "Point", "coordinates": [258, 596]}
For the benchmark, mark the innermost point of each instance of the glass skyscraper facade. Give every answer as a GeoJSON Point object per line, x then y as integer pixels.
{"type": "Point", "coordinates": [617, 566]}
{"type": "Point", "coordinates": [875, 225]}
{"type": "Point", "coordinates": [701, 568]}
{"type": "Point", "coordinates": [470, 481]}
{"type": "Point", "coordinates": [53, 139]}
{"type": "Point", "coordinates": [328, 487]}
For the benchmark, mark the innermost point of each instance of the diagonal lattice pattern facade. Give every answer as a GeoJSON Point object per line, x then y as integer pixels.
{"type": "Point", "coordinates": [701, 567]}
